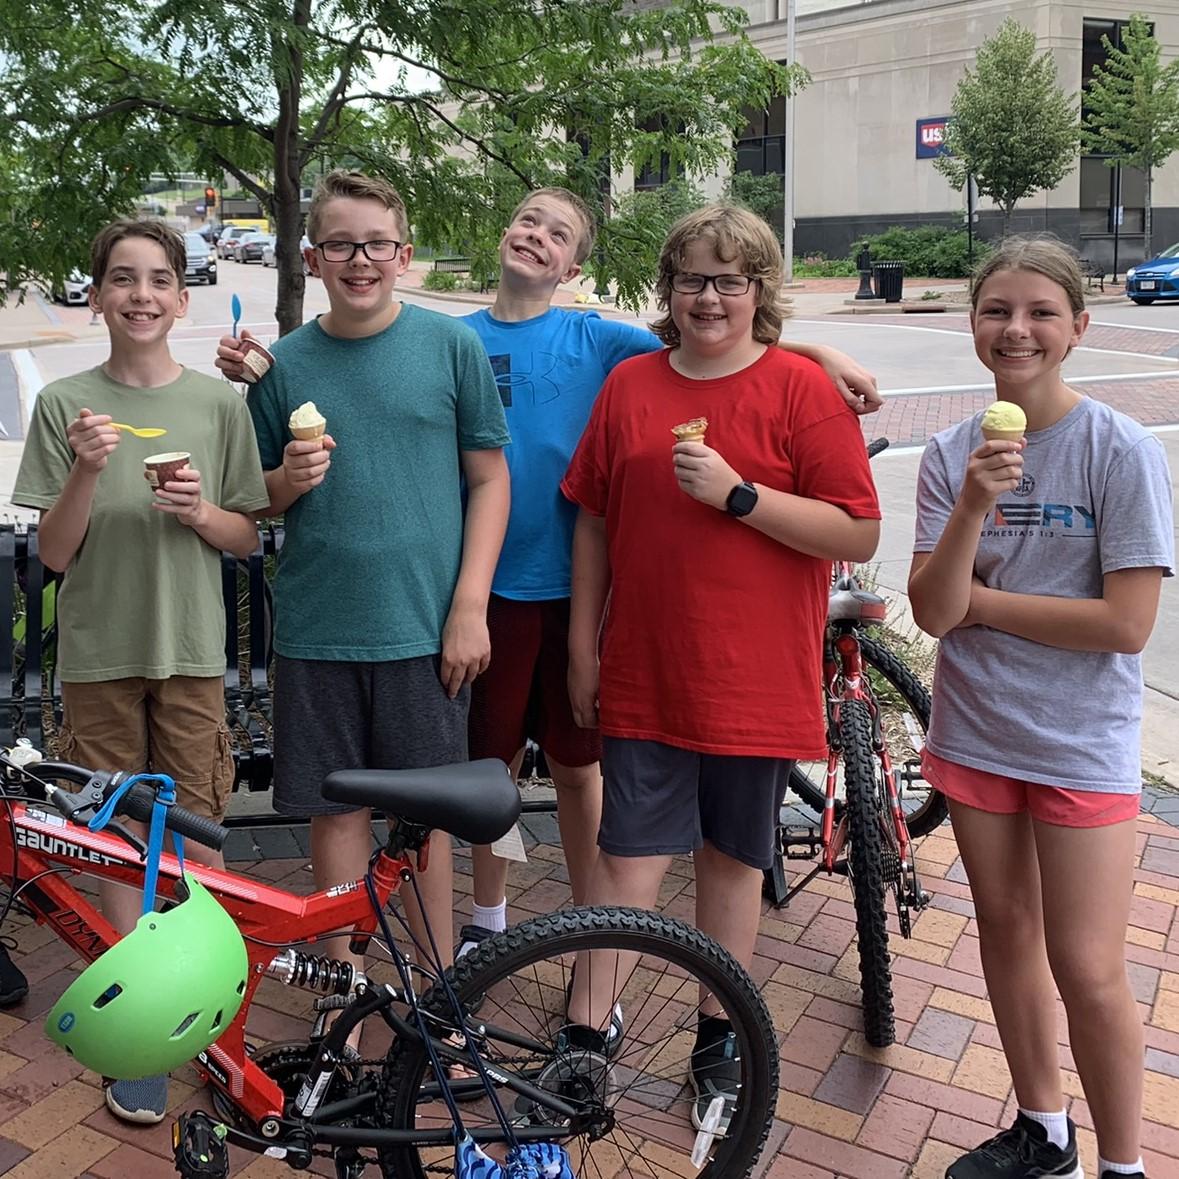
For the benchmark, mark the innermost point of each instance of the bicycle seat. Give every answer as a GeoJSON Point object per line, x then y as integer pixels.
{"type": "Point", "coordinates": [475, 800]}
{"type": "Point", "coordinates": [855, 605]}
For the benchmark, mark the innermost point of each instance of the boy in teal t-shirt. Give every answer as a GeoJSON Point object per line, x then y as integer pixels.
{"type": "Point", "coordinates": [141, 624]}
{"type": "Point", "coordinates": [382, 583]}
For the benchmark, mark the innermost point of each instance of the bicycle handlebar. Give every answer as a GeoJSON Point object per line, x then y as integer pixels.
{"type": "Point", "coordinates": [138, 802]}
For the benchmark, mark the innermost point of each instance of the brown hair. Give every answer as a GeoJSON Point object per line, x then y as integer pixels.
{"type": "Point", "coordinates": [735, 234]}
{"type": "Point", "coordinates": [1040, 254]}
{"type": "Point", "coordinates": [110, 235]}
{"type": "Point", "coordinates": [588, 223]}
{"type": "Point", "coordinates": [358, 187]}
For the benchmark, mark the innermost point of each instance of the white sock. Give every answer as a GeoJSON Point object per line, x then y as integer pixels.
{"type": "Point", "coordinates": [1055, 1123]}
{"type": "Point", "coordinates": [1134, 1168]}
{"type": "Point", "coordinates": [493, 917]}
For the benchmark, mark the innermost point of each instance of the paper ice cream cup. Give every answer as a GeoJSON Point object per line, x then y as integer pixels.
{"type": "Point", "coordinates": [159, 469]}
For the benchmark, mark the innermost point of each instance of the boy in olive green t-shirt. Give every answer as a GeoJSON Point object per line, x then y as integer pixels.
{"type": "Point", "coordinates": [141, 626]}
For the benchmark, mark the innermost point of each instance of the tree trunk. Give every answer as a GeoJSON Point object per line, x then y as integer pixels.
{"type": "Point", "coordinates": [1146, 218]}
{"type": "Point", "coordinates": [288, 218]}
{"type": "Point", "coordinates": [1007, 211]}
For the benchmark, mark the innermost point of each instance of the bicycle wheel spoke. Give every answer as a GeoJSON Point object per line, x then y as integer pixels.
{"type": "Point", "coordinates": [628, 1091]}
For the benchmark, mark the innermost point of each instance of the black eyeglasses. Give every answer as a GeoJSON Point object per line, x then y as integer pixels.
{"type": "Point", "coordinates": [723, 284]}
{"type": "Point", "coordinates": [378, 251]}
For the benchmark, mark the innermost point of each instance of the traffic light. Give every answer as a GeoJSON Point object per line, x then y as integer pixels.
{"type": "Point", "coordinates": [210, 197]}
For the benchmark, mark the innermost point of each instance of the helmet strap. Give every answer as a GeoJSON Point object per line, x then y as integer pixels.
{"type": "Point", "coordinates": [165, 797]}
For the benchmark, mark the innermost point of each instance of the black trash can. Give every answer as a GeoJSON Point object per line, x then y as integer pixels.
{"type": "Point", "coordinates": [888, 278]}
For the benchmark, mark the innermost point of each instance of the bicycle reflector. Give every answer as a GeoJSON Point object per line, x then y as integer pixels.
{"type": "Point", "coordinates": [160, 995]}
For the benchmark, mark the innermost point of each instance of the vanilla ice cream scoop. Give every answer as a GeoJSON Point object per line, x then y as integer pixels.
{"type": "Point", "coordinates": [307, 423]}
{"type": "Point", "coordinates": [1004, 421]}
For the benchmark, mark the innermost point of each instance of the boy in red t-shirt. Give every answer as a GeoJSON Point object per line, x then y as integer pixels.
{"type": "Point", "coordinates": [715, 557]}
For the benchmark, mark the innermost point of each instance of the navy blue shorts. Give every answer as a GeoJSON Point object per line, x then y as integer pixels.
{"type": "Point", "coordinates": [659, 800]}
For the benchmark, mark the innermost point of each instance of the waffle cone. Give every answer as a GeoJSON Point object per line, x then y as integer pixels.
{"type": "Point", "coordinates": [309, 433]}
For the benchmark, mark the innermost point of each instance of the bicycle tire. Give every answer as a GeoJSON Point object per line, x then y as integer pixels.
{"type": "Point", "coordinates": [932, 810]}
{"type": "Point", "coordinates": [532, 959]}
{"type": "Point", "coordinates": [866, 870]}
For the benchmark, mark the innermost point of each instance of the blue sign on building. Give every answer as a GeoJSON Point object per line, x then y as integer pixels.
{"type": "Point", "coordinates": [931, 137]}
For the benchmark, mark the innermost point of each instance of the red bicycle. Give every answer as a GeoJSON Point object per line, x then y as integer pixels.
{"type": "Point", "coordinates": [870, 794]}
{"type": "Point", "coordinates": [496, 1023]}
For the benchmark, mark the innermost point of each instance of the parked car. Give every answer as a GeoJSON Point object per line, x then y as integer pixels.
{"type": "Point", "coordinates": [1156, 279]}
{"type": "Point", "coordinates": [200, 263]}
{"type": "Point", "coordinates": [75, 290]}
{"type": "Point", "coordinates": [249, 246]}
{"type": "Point", "coordinates": [270, 252]}
{"type": "Point", "coordinates": [228, 240]}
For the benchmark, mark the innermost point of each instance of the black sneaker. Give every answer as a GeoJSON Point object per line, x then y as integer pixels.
{"type": "Point", "coordinates": [470, 937]}
{"type": "Point", "coordinates": [579, 1073]}
{"type": "Point", "coordinates": [1020, 1152]}
{"type": "Point", "coordinates": [13, 984]}
{"type": "Point", "coordinates": [613, 1034]}
{"type": "Point", "coordinates": [715, 1071]}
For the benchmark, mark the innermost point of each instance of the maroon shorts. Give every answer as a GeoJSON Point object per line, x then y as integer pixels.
{"type": "Point", "coordinates": [524, 692]}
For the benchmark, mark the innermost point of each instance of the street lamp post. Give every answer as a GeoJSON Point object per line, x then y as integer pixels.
{"type": "Point", "coordinates": [788, 156]}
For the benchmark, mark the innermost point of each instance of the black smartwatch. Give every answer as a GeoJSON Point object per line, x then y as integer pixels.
{"type": "Point", "coordinates": [742, 500]}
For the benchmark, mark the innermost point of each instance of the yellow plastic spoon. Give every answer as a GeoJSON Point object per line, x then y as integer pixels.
{"type": "Point", "coordinates": [138, 431]}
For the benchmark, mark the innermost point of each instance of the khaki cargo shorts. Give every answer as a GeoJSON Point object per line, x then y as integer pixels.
{"type": "Point", "coordinates": [174, 726]}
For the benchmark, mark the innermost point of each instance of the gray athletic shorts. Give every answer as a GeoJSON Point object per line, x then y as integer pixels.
{"type": "Point", "coordinates": [659, 800]}
{"type": "Point", "coordinates": [332, 715]}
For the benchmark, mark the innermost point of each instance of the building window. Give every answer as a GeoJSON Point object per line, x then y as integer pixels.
{"type": "Point", "coordinates": [655, 173]}
{"type": "Point", "coordinates": [761, 145]}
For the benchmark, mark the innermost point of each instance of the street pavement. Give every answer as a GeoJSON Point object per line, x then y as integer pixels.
{"type": "Point", "coordinates": [844, 1110]}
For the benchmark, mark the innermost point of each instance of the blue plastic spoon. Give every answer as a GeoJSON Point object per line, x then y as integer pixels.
{"type": "Point", "coordinates": [235, 305]}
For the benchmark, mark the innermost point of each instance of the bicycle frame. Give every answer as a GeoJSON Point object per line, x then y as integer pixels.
{"type": "Point", "coordinates": [269, 918]}
{"type": "Point", "coordinates": [843, 680]}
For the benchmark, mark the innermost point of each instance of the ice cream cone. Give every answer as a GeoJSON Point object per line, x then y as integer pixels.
{"type": "Point", "coordinates": [1002, 435]}
{"type": "Point", "coordinates": [1003, 421]}
{"type": "Point", "coordinates": [309, 433]}
{"type": "Point", "coordinates": [691, 431]}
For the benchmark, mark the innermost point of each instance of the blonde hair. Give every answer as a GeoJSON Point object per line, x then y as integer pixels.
{"type": "Point", "coordinates": [358, 187]}
{"type": "Point", "coordinates": [1039, 254]}
{"type": "Point", "coordinates": [587, 222]}
{"type": "Point", "coordinates": [110, 235]}
{"type": "Point", "coordinates": [737, 235]}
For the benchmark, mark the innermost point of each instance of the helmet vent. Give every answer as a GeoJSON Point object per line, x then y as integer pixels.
{"type": "Point", "coordinates": [216, 1021]}
{"type": "Point", "coordinates": [109, 995]}
{"type": "Point", "coordinates": [184, 1025]}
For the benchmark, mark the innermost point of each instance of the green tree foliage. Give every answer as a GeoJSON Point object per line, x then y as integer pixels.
{"type": "Point", "coordinates": [759, 194]}
{"type": "Point", "coordinates": [1013, 128]}
{"type": "Point", "coordinates": [463, 104]}
{"type": "Point", "coordinates": [630, 242]}
{"type": "Point", "coordinates": [1132, 106]}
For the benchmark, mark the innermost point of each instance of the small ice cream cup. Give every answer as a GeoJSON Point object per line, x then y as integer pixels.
{"type": "Point", "coordinates": [159, 469]}
{"type": "Point", "coordinates": [256, 360]}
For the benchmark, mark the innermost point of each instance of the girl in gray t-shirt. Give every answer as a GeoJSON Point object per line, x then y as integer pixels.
{"type": "Point", "coordinates": [1038, 564]}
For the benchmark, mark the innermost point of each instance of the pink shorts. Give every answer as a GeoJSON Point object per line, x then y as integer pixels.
{"type": "Point", "coordinates": [998, 795]}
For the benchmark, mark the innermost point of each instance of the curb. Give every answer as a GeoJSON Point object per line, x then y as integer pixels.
{"type": "Point", "coordinates": [38, 341]}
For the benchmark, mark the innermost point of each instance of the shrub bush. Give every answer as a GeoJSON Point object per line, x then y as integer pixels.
{"type": "Point", "coordinates": [931, 251]}
{"type": "Point", "coordinates": [817, 266]}
{"type": "Point", "coordinates": [440, 280]}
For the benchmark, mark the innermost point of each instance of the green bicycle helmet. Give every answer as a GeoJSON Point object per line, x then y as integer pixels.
{"type": "Point", "coordinates": [158, 996]}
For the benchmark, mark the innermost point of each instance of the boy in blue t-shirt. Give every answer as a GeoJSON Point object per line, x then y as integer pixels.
{"type": "Point", "coordinates": [549, 364]}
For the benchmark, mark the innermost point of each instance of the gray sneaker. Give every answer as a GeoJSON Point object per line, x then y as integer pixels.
{"type": "Point", "coordinates": [144, 1101]}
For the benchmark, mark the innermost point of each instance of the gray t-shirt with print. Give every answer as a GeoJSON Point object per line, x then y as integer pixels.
{"type": "Point", "coordinates": [1095, 497]}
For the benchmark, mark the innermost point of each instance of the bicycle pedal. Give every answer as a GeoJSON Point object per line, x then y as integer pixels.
{"type": "Point", "coordinates": [800, 843]}
{"type": "Point", "coordinates": [198, 1146]}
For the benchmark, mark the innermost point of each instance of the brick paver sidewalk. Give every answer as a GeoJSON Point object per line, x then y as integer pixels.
{"type": "Point", "coordinates": [844, 1109]}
